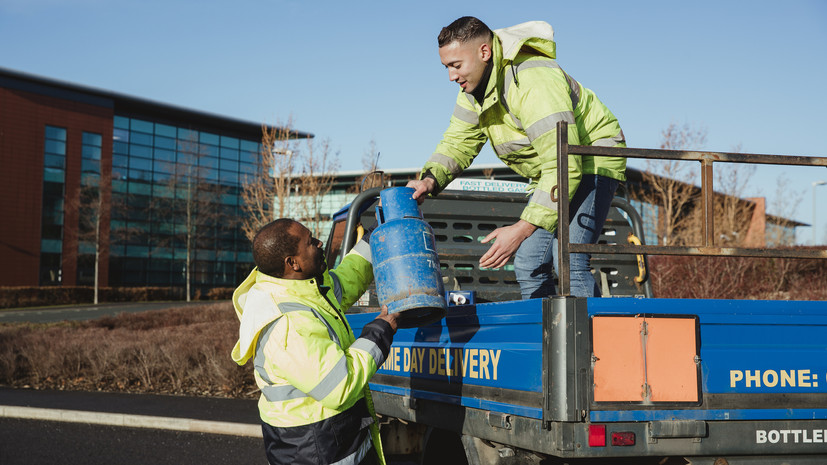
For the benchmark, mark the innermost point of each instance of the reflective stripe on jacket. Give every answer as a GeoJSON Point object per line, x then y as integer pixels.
{"type": "Point", "coordinates": [527, 94]}
{"type": "Point", "coordinates": [308, 364]}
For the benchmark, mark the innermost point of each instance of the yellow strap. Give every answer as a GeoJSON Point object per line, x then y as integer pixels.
{"type": "Point", "coordinates": [641, 263]}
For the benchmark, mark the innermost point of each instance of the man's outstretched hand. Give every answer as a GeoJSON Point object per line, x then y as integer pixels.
{"type": "Point", "coordinates": [508, 240]}
{"type": "Point", "coordinates": [389, 317]}
{"type": "Point", "coordinates": [422, 187]}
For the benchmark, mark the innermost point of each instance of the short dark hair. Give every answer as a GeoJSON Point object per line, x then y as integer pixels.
{"type": "Point", "coordinates": [272, 244]}
{"type": "Point", "coordinates": [463, 30]}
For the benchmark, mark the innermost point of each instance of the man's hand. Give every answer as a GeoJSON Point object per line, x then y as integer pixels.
{"type": "Point", "coordinates": [389, 317]}
{"type": "Point", "coordinates": [508, 241]}
{"type": "Point", "coordinates": [422, 187]}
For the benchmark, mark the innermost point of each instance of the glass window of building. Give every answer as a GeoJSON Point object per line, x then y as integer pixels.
{"type": "Point", "coordinates": [54, 181]}
{"type": "Point", "coordinates": [160, 173]}
{"type": "Point", "coordinates": [89, 208]}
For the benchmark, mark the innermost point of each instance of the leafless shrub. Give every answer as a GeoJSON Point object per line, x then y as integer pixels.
{"type": "Point", "coordinates": [174, 351]}
{"type": "Point", "coordinates": [738, 278]}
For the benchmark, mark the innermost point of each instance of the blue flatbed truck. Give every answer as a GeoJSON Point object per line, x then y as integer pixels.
{"type": "Point", "coordinates": [596, 380]}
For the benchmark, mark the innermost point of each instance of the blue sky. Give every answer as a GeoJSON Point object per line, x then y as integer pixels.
{"type": "Point", "coordinates": [751, 74]}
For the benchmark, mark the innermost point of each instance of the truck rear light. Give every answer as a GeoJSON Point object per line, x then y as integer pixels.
{"type": "Point", "coordinates": [597, 435]}
{"type": "Point", "coordinates": [623, 438]}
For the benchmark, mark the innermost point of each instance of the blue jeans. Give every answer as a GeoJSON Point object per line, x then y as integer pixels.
{"type": "Point", "coordinates": [533, 260]}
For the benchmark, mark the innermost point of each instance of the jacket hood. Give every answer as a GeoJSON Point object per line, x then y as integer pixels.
{"type": "Point", "coordinates": [538, 35]}
{"type": "Point", "coordinates": [255, 307]}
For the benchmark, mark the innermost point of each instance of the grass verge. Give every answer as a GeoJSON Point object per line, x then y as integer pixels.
{"type": "Point", "coordinates": [182, 351]}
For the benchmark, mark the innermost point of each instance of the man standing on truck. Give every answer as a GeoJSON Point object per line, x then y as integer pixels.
{"type": "Point", "coordinates": [513, 94]}
{"type": "Point", "coordinates": [313, 373]}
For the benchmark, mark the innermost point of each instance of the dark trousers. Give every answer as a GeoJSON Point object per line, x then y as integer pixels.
{"type": "Point", "coordinates": [324, 442]}
{"type": "Point", "coordinates": [371, 458]}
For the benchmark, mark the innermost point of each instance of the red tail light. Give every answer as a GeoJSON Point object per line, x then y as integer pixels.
{"type": "Point", "coordinates": [597, 435]}
{"type": "Point", "coordinates": [623, 438]}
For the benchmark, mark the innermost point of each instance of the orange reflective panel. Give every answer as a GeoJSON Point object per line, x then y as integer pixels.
{"type": "Point", "coordinates": [645, 359]}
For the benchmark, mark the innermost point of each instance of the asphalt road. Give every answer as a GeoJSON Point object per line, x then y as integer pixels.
{"type": "Point", "coordinates": [84, 312]}
{"type": "Point", "coordinates": [32, 442]}
{"type": "Point", "coordinates": [91, 430]}
{"type": "Point", "coordinates": [88, 428]}
{"type": "Point", "coordinates": [89, 434]}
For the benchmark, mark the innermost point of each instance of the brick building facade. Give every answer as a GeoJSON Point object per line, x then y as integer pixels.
{"type": "Point", "coordinates": [58, 140]}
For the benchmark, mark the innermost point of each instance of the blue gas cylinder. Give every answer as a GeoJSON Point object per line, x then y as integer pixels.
{"type": "Point", "coordinates": [405, 262]}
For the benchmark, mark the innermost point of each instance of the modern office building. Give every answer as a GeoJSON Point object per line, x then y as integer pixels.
{"type": "Point", "coordinates": [64, 146]}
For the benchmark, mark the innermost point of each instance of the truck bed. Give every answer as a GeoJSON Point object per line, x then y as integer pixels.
{"type": "Point", "coordinates": [686, 377]}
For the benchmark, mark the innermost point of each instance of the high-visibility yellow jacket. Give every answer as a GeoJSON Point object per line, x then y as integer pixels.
{"type": "Point", "coordinates": [527, 94]}
{"type": "Point", "coordinates": [308, 364]}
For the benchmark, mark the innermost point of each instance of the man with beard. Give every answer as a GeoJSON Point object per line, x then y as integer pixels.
{"type": "Point", "coordinates": [313, 373]}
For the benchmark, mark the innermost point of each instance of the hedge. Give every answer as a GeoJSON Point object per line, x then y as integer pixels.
{"type": "Point", "coordinates": [38, 296]}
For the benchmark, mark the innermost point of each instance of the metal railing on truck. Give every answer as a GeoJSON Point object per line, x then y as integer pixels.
{"type": "Point", "coordinates": [462, 218]}
{"type": "Point", "coordinates": [707, 159]}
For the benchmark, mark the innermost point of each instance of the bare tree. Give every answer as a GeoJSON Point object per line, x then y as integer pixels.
{"type": "Point", "coordinates": [732, 212]}
{"type": "Point", "coordinates": [266, 194]}
{"type": "Point", "coordinates": [319, 168]}
{"type": "Point", "coordinates": [670, 184]}
{"type": "Point", "coordinates": [292, 179]}
{"type": "Point", "coordinates": [783, 205]}
{"type": "Point", "coordinates": [370, 157]}
{"type": "Point", "coordinates": [373, 176]}
{"type": "Point", "coordinates": [780, 232]}
{"type": "Point", "coordinates": [93, 218]}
